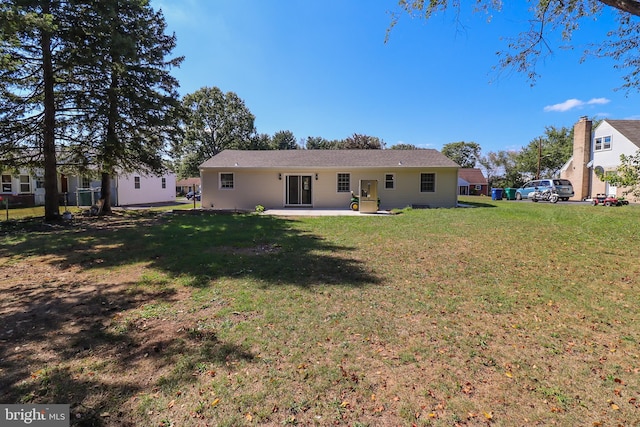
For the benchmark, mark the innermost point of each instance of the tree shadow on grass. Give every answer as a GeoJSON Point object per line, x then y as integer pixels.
{"type": "Point", "coordinates": [206, 247]}
{"type": "Point", "coordinates": [66, 341]}
{"type": "Point", "coordinates": [65, 344]}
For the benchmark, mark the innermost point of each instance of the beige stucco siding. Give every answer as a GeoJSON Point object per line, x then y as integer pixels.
{"type": "Point", "coordinates": [267, 187]}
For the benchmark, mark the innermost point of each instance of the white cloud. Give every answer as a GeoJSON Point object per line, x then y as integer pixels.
{"type": "Point", "coordinates": [573, 103]}
{"type": "Point", "coordinates": [598, 101]}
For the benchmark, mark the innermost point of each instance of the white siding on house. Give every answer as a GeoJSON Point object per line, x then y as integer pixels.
{"type": "Point", "coordinates": [151, 189]}
{"type": "Point", "coordinates": [610, 159]}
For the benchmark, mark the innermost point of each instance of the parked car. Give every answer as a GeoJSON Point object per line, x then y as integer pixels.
{"type": "Point", "coordinates": [562, 187]}
{"type": "Point", "coordinates": [191, 195]}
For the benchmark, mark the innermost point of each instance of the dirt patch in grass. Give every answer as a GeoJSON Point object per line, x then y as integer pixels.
{"type": "Point", "coordinates": [58, 317]}
{"type": "Point", "coordinates": [140, 319]}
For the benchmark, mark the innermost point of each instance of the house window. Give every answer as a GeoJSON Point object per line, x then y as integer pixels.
{"type": "Point", "coordinates": [86, 182]}
{"type": "Point", "coordinates": [427, 182]}
{"type": "Point", "coordinates": [226, 181]}
{"type": "Point", "coordinates": [478, 187]}
{"type": "Point", "coordinates": [390, 181]}
{"type": "Point", "coordinates": [603, 143]}
{"type": "Point", "coordinates": [136, 182]}
{"type": "Point", "coordinates": [164, 182]}
{"type": "Point", "coordinates": [25, 184]}
{"type": "Point", "coordinates": [6, 183]}
{"type": "Point", "coordinates": [344, 182]}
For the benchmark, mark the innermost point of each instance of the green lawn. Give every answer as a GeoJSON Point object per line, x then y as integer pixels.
{"type": "Point", "coordinates": [506, 314]}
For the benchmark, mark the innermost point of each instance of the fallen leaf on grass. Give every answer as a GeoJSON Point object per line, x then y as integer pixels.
{"type": "Point", "coordinates": [488, 415]}
{"type": "Point", "coordinates": [215, 402]}
{"type": "Point", "coordinates": [249, 417]}
{"type": "Point", "coordinates": [171, 404]}
{"type": "Point", "coordinates": [509, 374]}
{"type": "Point", "coordinates": [615, 407]}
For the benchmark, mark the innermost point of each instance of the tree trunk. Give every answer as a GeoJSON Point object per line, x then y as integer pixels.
{"type": "Point", "coordinates": [51, 202]}
{"type": "Point", "coordinates": [105, 193]}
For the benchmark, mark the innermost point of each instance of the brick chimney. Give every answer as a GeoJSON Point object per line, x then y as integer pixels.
{"type": "Point", "coordinates": [580, 173]}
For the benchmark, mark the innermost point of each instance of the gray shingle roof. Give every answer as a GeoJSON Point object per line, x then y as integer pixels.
{"type": "Point", "coordinates": [328, 159]}
{"type": "Point", "coordinates": [629, 128]}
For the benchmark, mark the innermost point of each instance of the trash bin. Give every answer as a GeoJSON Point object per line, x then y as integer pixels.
{"type": "Point", "coordinates": [496, 194]}
{"type": "Point", "coordinates": [510, 193]}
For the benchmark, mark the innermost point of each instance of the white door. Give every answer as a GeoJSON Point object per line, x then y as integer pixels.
{"type": "Point", "coordinates": [611, 190]}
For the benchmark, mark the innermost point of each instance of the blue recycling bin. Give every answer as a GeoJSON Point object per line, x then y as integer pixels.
{"type": "Point", "coordinates": [496, 194]}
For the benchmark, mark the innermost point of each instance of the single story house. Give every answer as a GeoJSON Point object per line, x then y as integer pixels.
{"type": "Point", "coordinates": [22, 189]}
{"type": "Point", "coordinates": [126, 189]}
{"type": "Point", "coordinates": [596, 152]}
{"type": "Point", "coordinates": [324, 179]}
{"type": "Point", "coordinates": [27, 189]}
{"type": "Point", "coordinates": [471, 181]}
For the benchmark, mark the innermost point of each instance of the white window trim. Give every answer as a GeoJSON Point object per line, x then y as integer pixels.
{"type": "Point", "coordinates": [338, 191]}
{"type": "Point", "coordinates": [233, 177]}
{"type": "Point", "coordinates": [9, 183]}
{"type": "Point", "coordinates": [20, 184]}
{"type": "Point", "coordinates": [601, 140]}
{"type": "Point", "coordinates": [393, 180]}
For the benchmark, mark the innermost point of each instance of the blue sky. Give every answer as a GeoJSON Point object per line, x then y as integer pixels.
{"type": "Point", "coordinates": [322, 68]}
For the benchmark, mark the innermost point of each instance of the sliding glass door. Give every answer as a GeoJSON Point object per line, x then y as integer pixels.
{"type": "Point", "coordinates": [299, 190]}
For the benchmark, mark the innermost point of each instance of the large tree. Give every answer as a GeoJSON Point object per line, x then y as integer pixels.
{"type": "Point", "coordinates": [545, 155]}
{"type": "Point", "coordinates": [404, 146]}
{"type": "Point", "coordinates": [28, 36]}
{"type": "Point", "coordinates": [362, 142]}
{"type": "Point", "coordinates": [463, 153]}
{"type": "Point", "coordinates": [501, 168]}
{"type": "Point", "coordinates": [320, 143]}
{"type": "Point", "coordinates": [215, 121]}
{"type": "Point", "coordinates": [128, 107]}
{"type": "Point", "coordinates": [524, 50]}
{"type": "Point", "coordinates": [284, 140]}
{"type": "Point", "coordinates": [86, 83]}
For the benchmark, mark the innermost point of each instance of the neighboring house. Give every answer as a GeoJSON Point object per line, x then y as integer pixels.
{"type": "Point", "coordinates": [472, 182]}
{"type": "Point", "coordinates": [185, 185]}
{"type": "Point", "coordinates": [324, 179]}
{"type": "Point", "coordinates": [597, 151]}
{"type": "Point", "coordinates": [126, 189]}
{"type": "Point", "coordinates": [22, 189]}
{"type": "Point", "coordinates": [27, 189]}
